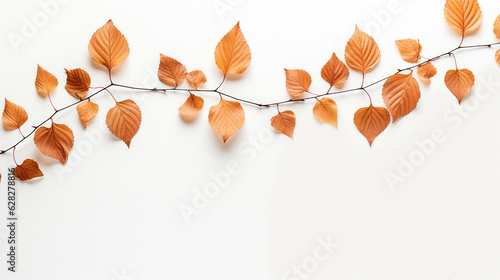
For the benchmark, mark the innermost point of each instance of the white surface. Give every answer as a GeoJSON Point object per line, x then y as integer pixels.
{"type": "Point", "coordinates": [113, 213]}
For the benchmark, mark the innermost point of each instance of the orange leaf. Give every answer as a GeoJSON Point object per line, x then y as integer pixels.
{"type": "Point", "coordinates": [297, 81]}
{"type": "Point", "coordinates": [14, 116]}
{"type": "Point", "coordinates": [108, 46]}
{"type": "Point", "coordinates": [464, 16]}
{"type": "Point", "coordinates": [459, 82]}
{"type": "Point", "coordinates": [55, 142]}
{"type": "Point", "coordinates": [196, 78]}
{"type": "Point", "coordinates": [192, 106]}
{"type": "Point", "coordinates": [425, 72]}
{"type": "Point", "coordinates": [401, 94]}
{"type": "Point", "coordinates": [409, 49]}
{"type": "Point", "coordinates": [325, 111]}
{"type": "Point", "coordinates": [496, 27]}
{"type": "Point", "coordinates": [284, 122]}
{"type": "Point", "coordinates": [226, 118]}
{"type": "Point", "coordinates": [497, 56]}
{"type": "Point", "coordinates": [45, 82]}
{"type": "Point", "coordinates": [28, 170]}
{"type": "Point", "coordinates": [124, 120]}
{"type": "Point", "coordinates": [87, 111]}
{"type": "Point", "coordinates": [361, 53]}
{"type": "Point", "coordinates": [77, 82]}
{"type": "Point", "coordinates": [371, 121]}
{"type": "Point", "coordinates": [335, 72]}
{"type": "Point", "coordinates": [232, 54]}
{"type": "Point", "coordinates": [171, 71]}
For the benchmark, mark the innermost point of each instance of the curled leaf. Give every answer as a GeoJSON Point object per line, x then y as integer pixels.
{"type": "Point", "coordinates": [297, 81]}
{"type": "Point", "coordinates": [371, 121]}
{"type": "Point", "coordinates": [464, 16]}
{"type": "Point", "coordinates": [496, 27]}
{"type": "Point", "coordinates": [45, 82]}
{"type": "Point", "coordinates": [55, 142]}
{"type": "Point", "coordinates": [325, 111]}
{"type": "Point", "coordinates": [192, 106]}
{"type": "Point", "coordinates": [232, 54]}
{"type": "Point", "coordinates": [87, 111]}
{"type": "Point", "coordinates": [409, 49]}
{"type": "Point", "coordinates": [14, 116]}
{"type": "Point", "coordinates": [124, 120]}
{"type": "Point", "coordinates": [361, 52]}
{"type": "Point", "coordinates": [425, 72]}
{"type": "Point", "coordinates": [28, 170]}
{"type": "Point", "coordinates": [108, 46]}
{"type": "Point", "coordinates": [459, 82]}
{"type": "Point", "coordinates": [196, 78]}
{"type": "Point", "coordinates": [335, 72]}
{"type": "Point", "coordinates": [77, 82]}
{"type": "Point", "coordinates": [226, 118]}
{"type": "Point", "coordinates": [401, 94]}
{"type": "Point", "coordinates": [171, 71]}
{"type": "Point", "coordinates": [284, 122]}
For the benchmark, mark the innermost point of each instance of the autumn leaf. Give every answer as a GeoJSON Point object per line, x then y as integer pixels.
{"type": "Point", "coordinates": [325, 111]}
{"type": "Point", "coordinates": [497, 56]}
{"type": "Point", "coordinates": [14, 116]}
{"type": "Point", "coordinates": [297, 81]}
{"type": "Point", "coordinates": [371, 121]}
{"type": "Point", "coordinates": [361, 53]}
{"type": "Point", "coordinates": [77, 82]}
{"type": "Point", "coordinates": [108, 46]}
{"type": "Point", "coordinates": [284, 122]}
{"type": "Point", "coordinates": [171, 71]}
{"type": "Point", "coordinates": [232, 54]}
{"type": "Point", "coordinates": [226, 118]}
{"type": "Point", "coordinates": [459, 82]}
{"type": "Point", "coordinates": [28, 170]}
{"type": "Point", "coordinates": [400, 94]}
{"type": "Point", "coordinates": [87, 111]}
{"type": "Point", "coordinates": [464, 16]}
{"type": "Point", "coordinates": [409, 49]}
{"type": "Point", "coordinates": [496, 27]}
{"type": "Point", "coordinates": [196, 78]}
{"type": "Point", "coordinates": [425, 72]}
{"type": "Point", "coordinates": [335, 72]}
{"type": "Point", "coordinates": [124, 120]}
{"type": "Point", "coordinates": [192, 106]}
{"type": "Point", "coordinates": [45, 82]}
{"type": "Point", "coordinates": [55, 142]}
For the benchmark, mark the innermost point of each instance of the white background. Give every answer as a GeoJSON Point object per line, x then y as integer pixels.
{"type": "Point", "coordinates": [113, 212]}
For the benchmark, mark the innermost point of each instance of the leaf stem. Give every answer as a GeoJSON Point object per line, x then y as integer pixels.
{"type": "Point", "coordinates": [52, 104]}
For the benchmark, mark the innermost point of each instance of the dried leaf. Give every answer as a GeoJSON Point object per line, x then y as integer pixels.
{"type": "Point", "coordinates": [14, 116]}
{"type": "Point", "coordinates": [425, 72]}
{"type": "Point", "coordinates": [371, 121]}
{"type": "Point", "coordinates": [196, 78]}
{"type": "Point", "coordinates": [325, 111]}
{"type": "Point", "coordinates": [232, 54]}
{"type": "Point", "coordinates": [464, 16]}
{"type": "Point", "coordinates": [87, 111]}
{"type": "Point", "coordinates": [45, 82]}
{"type": "Point", "coordinates": [28, 170]}
{"type": "Point", "coordinates": [171, 71]}
{"type": "Point", "coordinates": [497, 56]}
{"type": "Point", "coordinates": [226, 118]}
{"type": "Point", "coordinates": [335, 72]}
{"type": "Point", "coordinates": [284, 122]}
{"type": "Point", "coordinates": [401, 94]}
{"type": "Point", "coordinates": [124, 120]}
{"type": "Point", "coordinates": [459, 82]}
{"type": "Point", "coordinates": [496, 27]}
{"type": "Point", "coordinates": [361, 53]}
{"type": "Point", "coordinates": [55, 142]}
{"type": "Point", "coordinates": [297, 81]}
{"type": "Point", "coordinates": [192, 106]}
{"type": "Point", "coordinates": [108, 46]}
{"type": "Point", "coordinates": [77, 82]}
{"type": "Point", "coordinates": [409, 49]}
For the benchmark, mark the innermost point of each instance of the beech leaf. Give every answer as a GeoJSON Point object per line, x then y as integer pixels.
{"type": "Point", "coordinates": [108, 46]}
{"type": "Point", "coordinates": [284, 122]}
{"type": "Point", "coordinates": [464, 16]}
{"type": "Point", "coordinates": [297, 81]}
{"type": "Point", "coordinates": [459, 82]}
{"type": "Point", "coordinates": [496, 27]}
{"type": "Point", "coordinates": [335, 72]}
{"type": "Point", "coordinates": [226, 118]}
{"type": "Point", "coordinates": [401, 94]}
{"type": "Point", "coordinates": [497, 56]}
{"type": "Point", "coordinates": [55, 142]}
{"type": "Point", "coordinates": [232, 54]}
{"type": "Point", "coordinates": [28, 170]}
{"type": "Point", "coordinates": [77, 82]}
{"type": "Point", "coordinates": [14, 116]}
{"type": "Point", "coordinates": [171, 71]}
{"type": "Point", "coordinates": [45, 82]}
{"type": "Point", "coordinates": [196, 78]}
{"type": "Point", "coordinates": [409, 49]}
{"type": "Point", "coordinates": [87, 111]}
{"type": "Point", "coordinates": [124, 120]}
{"type": "Point", "coordinates": [425, 72]}
{"type": "Point", "coordinates": [361, 52]}
{"type": "Point", "coordinates": [325, 111]}
{"type": "Point", "coordinates": [192, 106]}
{"type": "Point", "coordinates": [371, 121]}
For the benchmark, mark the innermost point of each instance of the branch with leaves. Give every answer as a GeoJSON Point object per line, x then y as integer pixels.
{"type": "Point", "coordinates": [108, 47]}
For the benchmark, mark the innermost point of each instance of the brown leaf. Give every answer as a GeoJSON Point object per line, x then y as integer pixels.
{"type": "Point", "coordinates": [325, 111]}
{"type": "Point", "coordinates": [409, 49]}
{"type": "Point", "coordinates": [401, 94]}
{"type": "Point", "coordinates": [108, 46]}
{"type": "Point", "coordinates": [497, 56]}
{"type": "Point", "coordinates": [371, 121]}
{"type": "Point", "coordinates": [425, 72]}
{"type": "Point", "coordinates": [171, 71]}
{"type": "Point", "coordinates": [14, 116]}
{"type": "Point", "coordinates": [28, 170]}
{"type": "Point", "coordinates": [459, 82]}
{"type": "Point", "coordinates": [297, 81]}
{"type": "Point", "coordinates": [77, 82]}
{"type": "Point", "coordinates": [87, 111]}
{"type": "Point", "coordinates": [284, 122]}
{"type": "Point", "coordinates": [124, 120]}
{"type": "Point", "coordinates": [496, 27]}
{"type": "Point", "coordinates": [196, 78]}
{"type": "Point", "coordinates": [464, 16]}
{"type": "Point", "coordinates": [45, 82]}
{"type": "Point", "coordinates": [192, 106]}
{"type": "Point", "coordinates": [361, 53]}
{"type": "Point", "coordinates": [55, 142]}
{"type": "Point", "coordinates": [232, 54]}
{"type": "Point", "coordinates": [335, 72]}
{"type": "Point", "coordinates": [226, 118]}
